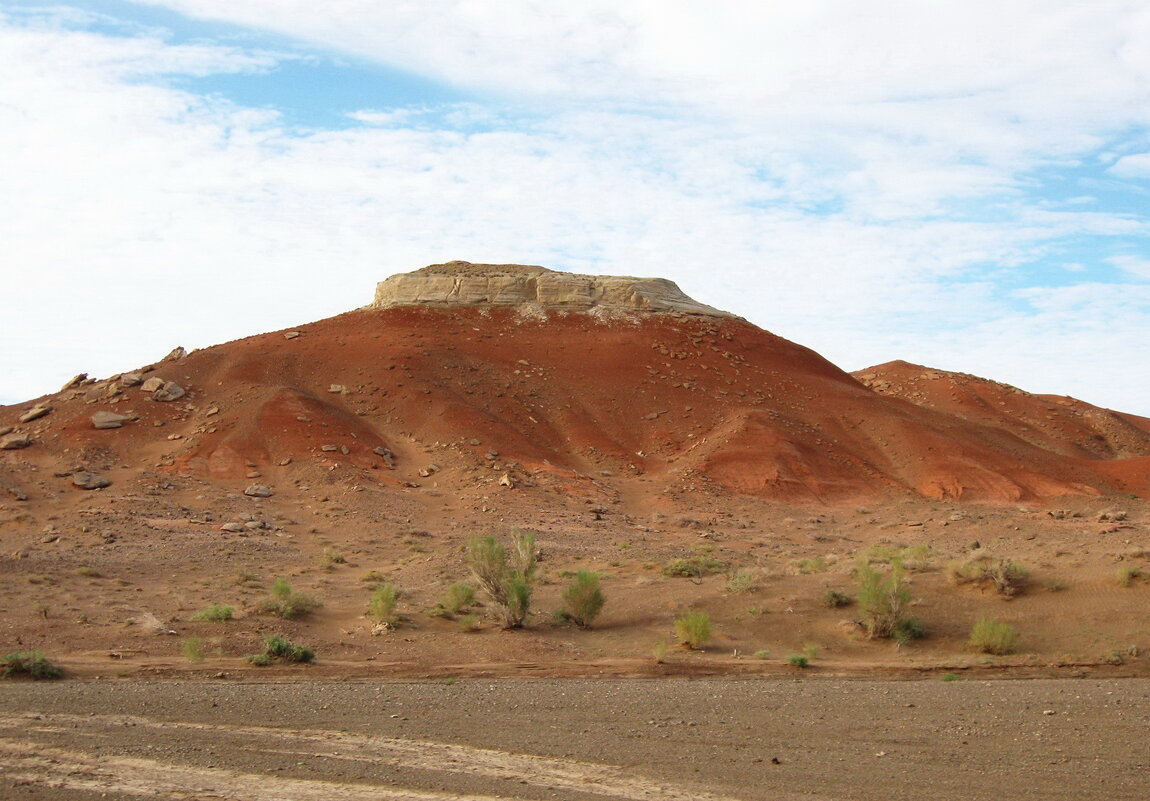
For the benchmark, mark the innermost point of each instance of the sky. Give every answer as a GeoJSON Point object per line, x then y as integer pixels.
{"type": "Point", "coordinates": [964, 185]}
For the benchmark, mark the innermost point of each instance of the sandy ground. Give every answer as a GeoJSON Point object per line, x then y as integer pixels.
{"type": "Point", "coordinates": [575, 739]}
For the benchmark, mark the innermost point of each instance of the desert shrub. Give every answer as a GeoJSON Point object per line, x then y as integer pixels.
{"type": "Point", "coordinates": [1126, 574]}
{"type": "Point", "coordinates": [194, 649]}
{"type": "Point", "coordinates": [287, 603]}
{"type": "Point", "coordinates": [798, 660]}
{"type": "Point", "coordinates": [507, 578]}
{"type": "Point", "coordinates": [1053, 584]}
{"type": "Point", "coordinates": [950, 677]}
{"type": "Point", "coordinates": [29, 663]}
{"type": "Point", "coordinates": [373, 577]}
{"type": "Point", "coordinates": [811, 650]}
{"type": "Point", "coordinates": [762, 653]}
{"type": "Point", "coordinates": [915, 558]}
{"type": "Point", "coordinates": [741, 581]}
{"type": "Point", "coordinates": [659, 652]}
{"type": "Point", "coordinates": [908, 629]}
{"type": "Point", "coordinates": [469, 623]}
{"type": "Point", "coordinates": [381, 607]}
{"type": "Point", "coordinates": [216, 612]}
{"type": "Point", "coordinates": [458, 597]}
{"type": "Point", "coordinates": [583, 598]}
{"type": "Point", "coordinates": [883, 599]}
{"type": "Point", "coordinates": [834, 599]}
{"type": "Point", "coordinates": [993, 636]}
{"type": "Point", "coordinates": [87, 571]}
{"type": "Point", "coordinates": [1005, 576]}
{"type": "Point", "coordinates": [818, 564]}
{"type": "Point", "coordinates": [693, 629]}
{"type": "Point", "coordinates": [277, 647]}
{"type": "Point", "coordinates": [692, 567]}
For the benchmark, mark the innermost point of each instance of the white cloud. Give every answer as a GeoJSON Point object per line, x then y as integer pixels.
{"type": "Point", "coordinates": [780, 165]}
{"type": "Point", "coordinates": [1135, 166]}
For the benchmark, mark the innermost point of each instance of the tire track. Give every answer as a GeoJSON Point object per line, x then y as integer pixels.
{"type": "Point", "coordinates": [544, 772]}
{"type": "Point", "coordinates": [26, 763]}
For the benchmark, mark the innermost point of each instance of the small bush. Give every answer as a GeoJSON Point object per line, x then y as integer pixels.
{"type": "Point", "coordinates": [507, 578]}
{"type": "Point", "coordinates": [993, 636]}
{"type": "Point", "coordinates": [693, 567]}
{"type": "Point", "coordinates": [276, 647]}
{"type": "Point", "coordinates": [741, 581]}
{"type": "Point", "coordinates": [194, 649]}
{"type": "Point", "coordinates": [883, 599]}
{"type": "Point", "coordinates": [373, 577]}
{"type": "Point", "coordinates": [469, 623]}
{"type": "Point", "coordinates": [29, 663]}
{"type": "Point", "coordinates": [287, 603]}
{"type": "Point", "coordinates": [216, 612]}
{"type": "Point", "coordinates": [381, 607]}
{"type": "Point", "coordinates": [950, 677]}
{"type": "Point", "coordinates": [583, 599]}
{"type": "Point", "coordinates": [797, 660]}
{"type": "Point", "coordinates": [907, 630]}
{"type": "Point", "coordinates": [458, 597]}
{"type": "Point", "coordinates": [87, 572]}
{"type": "Point", "coordinates": [811, 650]}
{"type": "Point", "coordinates": [693, 629]}
{"type": "Point", "coordinates": [762, 653]}
{"type": "Point", "coordinates": [659, 652]}
{"type": "Point", "coordinates": [1126, 574]}
{"type": "Point", "coordinates": [819, 564]}
{"type": "Point", "coordinates": [1005, 576]}
{"type": "Point", "coordinates": [834, 599]}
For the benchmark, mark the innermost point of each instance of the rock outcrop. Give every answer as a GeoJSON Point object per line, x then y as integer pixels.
{"type": "Point", "coordinates": [460, 283]}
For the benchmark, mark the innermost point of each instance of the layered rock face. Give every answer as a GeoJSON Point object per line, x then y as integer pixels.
{"type": "Point", "coordinates": [460, 283]}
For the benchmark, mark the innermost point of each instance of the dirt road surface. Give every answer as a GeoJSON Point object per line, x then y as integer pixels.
{"type": "Point", "coordinates": [632, 740]}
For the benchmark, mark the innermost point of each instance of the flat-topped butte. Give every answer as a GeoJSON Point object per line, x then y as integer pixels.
{"type": "Point", "coordinates": [461, 283]}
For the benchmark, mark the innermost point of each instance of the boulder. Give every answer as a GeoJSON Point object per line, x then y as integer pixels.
{"type": "Point", "coordinates": [14, 442]}
{"type": "Point", "coordinates": [152, 384]}
{"type": "Point", "coordinates": [259, 491]}
{"type": "Point", "coordinates": [105, 420]}
{"type": "Point", "coordinates": [176, 354]}
{"type": "Point", "coordinates": [170, 391]}
{"type": "Point", "coordinates": [131, 379]}
{"type": "Point", "coordinates": [76, 381]}
{"type": "Point", "coordinates": [89, 481]}
{"type": "Point", "coordinates": [35, 413]}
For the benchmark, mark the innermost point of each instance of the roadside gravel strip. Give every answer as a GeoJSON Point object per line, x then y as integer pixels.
{"type": "Point", "coordinates": [574, 740]}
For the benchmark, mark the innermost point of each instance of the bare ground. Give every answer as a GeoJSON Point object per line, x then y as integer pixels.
{"type": "Point", "coordinates": [575, 739]}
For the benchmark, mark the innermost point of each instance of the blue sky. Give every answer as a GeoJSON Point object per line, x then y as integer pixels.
{"type": "Point", "coordinates": [963, 185]}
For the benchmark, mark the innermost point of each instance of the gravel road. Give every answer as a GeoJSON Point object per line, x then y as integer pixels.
{"type": "Point", "coordinates": [637, 739]}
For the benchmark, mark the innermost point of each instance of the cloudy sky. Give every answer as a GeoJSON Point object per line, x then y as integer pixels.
{"type": "Point", "coordinates": [960, 184]}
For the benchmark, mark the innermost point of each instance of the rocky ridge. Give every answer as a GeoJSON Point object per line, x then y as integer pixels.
{"type": "Point", "coordinates": [461, 283]}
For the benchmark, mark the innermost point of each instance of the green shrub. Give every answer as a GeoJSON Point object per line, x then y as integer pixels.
{"type": "Point", "coordinates": [260, 660]}
{"type": "Point", "coordinates": [834, 599]}
{"type": "Point", "coordinates": [950, 677]}
{"type": "Point", "coordinates": [693, 567]}
{"type": "Point", "coordinates": [507, 578]}
{"type": "Point", "coordinates": [458, 597]}
{"type": "Point", "coordinates": [381, 607]}
{"type": "Point", "coordinates": [762, 653]}
{"type": "Point", "coordinates": [907, 630]}
{"type": "Point", "coordinates": [1005, 576]}
{"type": "Point", "coordinates": [194, 649]}
{"type": "Point", "coordinates": [29, 663]}
{"type": "Point", "coordinates": [797, 660]}
{"type": "Point", "coordinates": [741, 581]}
{"type": "Point", "coordinates": [287, 603]}
{"type": "Point", "coordinates": [373, 577]}
{"type": "Point", "coordinates": [993, 636]}
{"type": "Point", "coordinates": [469, 623]}
{"type": "Point", "coordinates": [693, 629]}
{"type": "Point", "coordinates": [277, 647]}
{"type": "Point", "coordinates": [818, 564]}
{"type": "Point", "coordinates": [583, 598]}
{"type": "Point", "coordinates": [1126, 574]}
{"type": "Point", "coordinates": [216, 612]}
{"type": "Point", "coordinates": [883, 599]}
